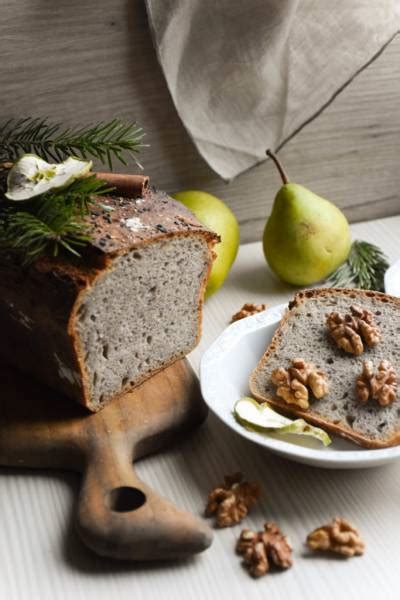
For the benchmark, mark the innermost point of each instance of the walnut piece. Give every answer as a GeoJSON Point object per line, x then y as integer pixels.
{"type": "Point", "coordinates": [247, 310]}
{"type": "Point", "coordinates": [293, 384]}
{"type": "Point", "coordinates": [352, 331]}
{"type": "Point", "coordinates": [337, 536]}
{"type": "Point", "coordinates": [380, 386]}
{"type": "Point", "coordinates": [231, 501]}
{"type": "Point", "coordinates": [263, 548]}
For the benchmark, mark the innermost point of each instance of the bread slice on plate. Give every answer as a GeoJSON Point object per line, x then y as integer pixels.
{"type": "Point", "coordinates": [303, 333]}
{"type": "Point", "coordinates": [98, 326]}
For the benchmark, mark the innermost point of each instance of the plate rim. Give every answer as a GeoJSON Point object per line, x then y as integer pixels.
{"type": "Point", "coordinates": [231, 336]}
{"type": "Point", "coordinates": [391, 279]}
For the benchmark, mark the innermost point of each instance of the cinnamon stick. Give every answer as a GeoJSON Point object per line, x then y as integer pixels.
{"type": "Point", "coordinates": [129, 186]}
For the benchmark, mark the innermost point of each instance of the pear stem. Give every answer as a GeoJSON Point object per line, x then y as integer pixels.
{"type": "Point", "coordinates": [279, 166]}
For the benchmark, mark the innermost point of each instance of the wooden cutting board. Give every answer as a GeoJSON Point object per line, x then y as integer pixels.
{"type": "Point", "coordinates": [118, 515]}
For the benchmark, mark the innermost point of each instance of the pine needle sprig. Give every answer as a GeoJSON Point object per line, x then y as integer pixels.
{"type": "Point", "coordinates": [79, 194]}
{"type": "Point", "coordinates": [51, 222]}
{"type": "Point", "coordinates": [105, 141]}
{"type": "Point", "coordinates": [31, 237]}
{"type": "Point", "coordinates": [364, 268]}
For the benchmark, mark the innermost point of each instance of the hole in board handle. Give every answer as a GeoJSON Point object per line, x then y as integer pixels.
{"type": "Point", "coordinates": [126, 499]}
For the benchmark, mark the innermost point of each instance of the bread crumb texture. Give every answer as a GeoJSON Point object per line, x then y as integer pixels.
{"type": "Point", "coordinates": [304, 333]}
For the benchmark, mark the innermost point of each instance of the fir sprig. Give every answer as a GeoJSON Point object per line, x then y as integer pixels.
{"type": "Point", "coordinates": [364, 268]}
{"type": "Point", "coordinates": [50, 222]}
{"type": "Point", "coordinates": [105, 141]}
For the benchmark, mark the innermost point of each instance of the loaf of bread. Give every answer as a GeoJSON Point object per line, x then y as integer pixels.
{"type": "Point", "coordinates": [303, 333]}
{"type": "Point", "coordinates": [95, 327]}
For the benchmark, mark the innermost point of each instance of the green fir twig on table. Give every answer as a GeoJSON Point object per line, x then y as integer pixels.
{"type": "Point", "coordinates": [51, 222]}
{"type": "Point", "coordinates": [105, 141]}
{"type": "Point", "coordinates": [364, 268]}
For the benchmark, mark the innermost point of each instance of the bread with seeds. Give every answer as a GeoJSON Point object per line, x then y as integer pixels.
{"type": "Point", "coordinates": [303, 333]}
{"type": "Point", "coordinates": [95, 327]}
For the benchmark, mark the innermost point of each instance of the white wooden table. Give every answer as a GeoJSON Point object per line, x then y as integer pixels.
{"type": "Point", "coordinates": [42, 558]}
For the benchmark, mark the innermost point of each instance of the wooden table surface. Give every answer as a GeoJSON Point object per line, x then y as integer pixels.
{"type": "Point", "coordinates": [42, 558]}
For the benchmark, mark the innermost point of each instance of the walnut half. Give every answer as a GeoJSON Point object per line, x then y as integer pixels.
{"type": "Point", "coordinates": [247, 310]}
{"type": "Point", "coordinates": [338, 536]}
{"type": "Point", "coordinates": [353, 330]}
{"type": "Point", "coordinates": [380, 386]}
{"type": "Point", "coordinates": [231, 501]}
{"type": "Point", "coordinates": [263, 548]}
{"type": "Point", "coordinates": [293, 384]}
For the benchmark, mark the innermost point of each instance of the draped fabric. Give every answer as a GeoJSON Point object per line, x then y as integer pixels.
{"type": "Point", "coordinates": [247, 74]}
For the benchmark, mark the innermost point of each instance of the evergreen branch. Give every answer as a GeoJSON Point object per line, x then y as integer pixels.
{"type": "Point", "coordinates": [105, 141]}
{"type": "Point", "coordinates": [50, 222]}
{"type": "Point", "coordinates": [364, 268]}
{"type": "Point", "coordinates": [28, 235]}
{"type": "Point", "coordinates": [79, 194]}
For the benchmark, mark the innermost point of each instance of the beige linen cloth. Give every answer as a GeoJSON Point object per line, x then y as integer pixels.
{"type": "Point", "coordinates": [247, 74]}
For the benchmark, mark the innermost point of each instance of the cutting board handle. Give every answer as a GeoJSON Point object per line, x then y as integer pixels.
{"type": "Point", "coordinates": [120, 516]}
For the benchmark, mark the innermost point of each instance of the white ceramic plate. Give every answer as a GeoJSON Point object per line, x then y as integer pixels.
{"type": "Point", "coordinates": [392, 279]}
{"type": "Point", "coordinates": [224, 374]}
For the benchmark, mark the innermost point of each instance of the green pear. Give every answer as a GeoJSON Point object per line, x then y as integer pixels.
{"type": "Point", "coordinates": [306, 237]}
{"type": "Point", "coordinates": [217, 216]}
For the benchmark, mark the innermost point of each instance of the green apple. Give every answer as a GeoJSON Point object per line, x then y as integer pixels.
{"type": "Point", "coordinates": [217, 216]}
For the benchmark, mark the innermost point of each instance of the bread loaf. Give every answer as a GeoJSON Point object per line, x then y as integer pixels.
{"type": "Point", "coordinates": [303, 334]}
{"type": "Point", "coordinates": [97, 326]}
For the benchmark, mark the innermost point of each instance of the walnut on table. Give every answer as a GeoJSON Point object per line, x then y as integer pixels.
{"type": "Point", "coordinates": [354, 329]}
{"type": "Point", "coordinates": [262, 549]}
{"type": "Point", "coordinates": [380, 386]}
{"type": "Point", "coordinates": [338, 536]}
{"type": "Point", "coordinates": [293, 384]}
{"type": "Point", "coordinates": [247, 310]}
{"type": "Point", "coordinates": [232, 500]}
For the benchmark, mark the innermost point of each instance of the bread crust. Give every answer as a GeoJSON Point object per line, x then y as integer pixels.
{"type": "Point", "coordinates": [39, 306]}
{"type": "Point", "coordinates": [341, 429]}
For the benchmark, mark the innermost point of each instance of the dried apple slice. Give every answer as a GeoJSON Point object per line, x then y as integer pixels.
{"type": "Point", "coordinates": [263, 419]}
{"type": "Point", "coordinates": [31, 176]}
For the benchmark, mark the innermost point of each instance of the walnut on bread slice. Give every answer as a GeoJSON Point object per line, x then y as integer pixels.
{"type": "Point", "coordinates": [354, 330]}
{"type": "Point", "coordinates": [380, 385]}
{"type": "Point", "coordinates": [295, 383]}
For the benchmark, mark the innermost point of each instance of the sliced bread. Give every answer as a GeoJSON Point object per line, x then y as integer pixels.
{"type": "Point", "coordinates": [95, 327]}
{"type": "Point", "coordinates": [303, 333]}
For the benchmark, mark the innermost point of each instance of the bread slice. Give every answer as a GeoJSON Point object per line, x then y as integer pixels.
{"type": "Point", "coordinates": [95, 327]}
{"type": "Point", "coordinates": [302, 333]}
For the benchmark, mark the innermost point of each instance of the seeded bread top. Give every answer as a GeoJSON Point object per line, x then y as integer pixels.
{"type": "Point", "coordinates": [121, 224]}
{"type": "Point", "coordinates": [154, 216]}
{"type": "Point", "coordinates": [303, 333]}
